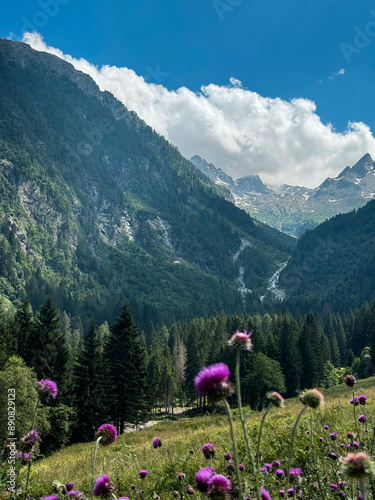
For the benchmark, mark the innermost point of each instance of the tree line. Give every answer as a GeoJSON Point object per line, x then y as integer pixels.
{"type": "Point", "coordinates": [120, 373]}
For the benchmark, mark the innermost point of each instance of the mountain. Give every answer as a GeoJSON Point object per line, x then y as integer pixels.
{"type": "Point", "coordinates": [294, 209]}
{"type": "Point", "coordinates": [333, 265]}
{"type": "Point", "coordinates": [95, 207]}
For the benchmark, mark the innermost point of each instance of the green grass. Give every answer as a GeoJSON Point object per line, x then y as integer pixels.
{"type": "Point", "coordinates": [184, 439]}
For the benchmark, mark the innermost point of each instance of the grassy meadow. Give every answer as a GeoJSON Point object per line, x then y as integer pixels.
{"type": "Point", "coordinates": [182, 450]}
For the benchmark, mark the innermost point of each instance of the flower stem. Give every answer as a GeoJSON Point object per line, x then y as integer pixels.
{"type": "Point", "coordinates": [240, 492]}
{"type": "Point", "coordinates": [239, 402]}
{"type": "Point", "coordinates": [94, 465]}
{"type": "Point", "coordinates": [292, 445]}
{"type": "Point", "coordinates": [355, 418]}
{"type": "Point", "coordinates": [362, 487]}
{"type": "Point", "coordinates": [260, 435]}
{"type": "Point", "coordinates": [29, 464]}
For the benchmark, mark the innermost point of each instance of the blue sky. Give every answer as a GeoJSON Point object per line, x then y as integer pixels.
{"type": "Point", "coordinates": [287, 49]}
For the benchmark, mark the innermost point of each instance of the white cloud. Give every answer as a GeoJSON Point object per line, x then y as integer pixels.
{"type": "Point", "coordinates": [236, 129]}
{"type": "Point", "coordinates": [341, 72]}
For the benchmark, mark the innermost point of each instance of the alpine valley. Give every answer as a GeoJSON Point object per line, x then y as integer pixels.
{"type": "Point", "coordinates": [96, 208]}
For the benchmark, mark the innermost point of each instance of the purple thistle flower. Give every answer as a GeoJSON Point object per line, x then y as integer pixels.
{"type": "Point", "coordinates": [321, 439]}
{"type": "Point", "coordinates": [362, 400]}
{"type": "Point", "coordinates": [143, 473]}
{"type": "Point", "coordinates": [125, 498]}
{"type": "Point", "coordinates": [30, 440]}
{"type": "Point", "coordinates": [290, 492]}
{"type": "Point", "coordinates": [362, 418]}
{"type": "Point", "coordinates": [48, 387]}
{"type": "Point", "coordinates": [282, 493]}
{"type": "Point", "coordinates": [342, 445]}
{"type": "Point", "coordinates": [264, 494]}
{"type": "Point", "coordinates": [156, 442]}
{"type": "Point", "coordinates": [341, 494]}
{"type": "Point", "coordinates": [295, 473]}
{"type": "Point", "coordinates": [326, 427]}
{"type": "Point", "coordinates": [280, 473]}
{"type": "Point", "coordinates": [24, 457]}
{"type": "Point", "coordinates": [103, 486]}
{"type": "Point", "coordinates": [181, 476]}
{"type": "Point", "coordinates": [108, 434]}
{"type": "Point", "coordinates": [213, 381]}
{"type": "Point", "coordinates": [312, 398]}
{"type": "Point", "coordinates": [76, 495]}
{"type": "Point", "coordinates": [202, 478]}
{"type": "Point", "coordinates": [333, 455]}
{"type": "Point", "coordinates": [208, 450]}
{"type": "Point", "coordinates": [69, 486]}
{"type": "Point", "coordinates": [277, 463]}
{"type": "Point", "coordinates": [356, 444]}
{"type": "Point", "coordinates": [263, 469]}
{"type": "Point", "coordinates": [51, 497]}
{"type": "Point", "coordinates": [358, 465]}
{"type": "Point", "coordinates": [219, 482]}
{"type": "Point", "coordinates": [350, 435]}
{"type": "Point", "coordinates": [333, 436]}
{"type": "Point", "coordinates": [354, 401]}
{"type": "Point", "coordinates": [190, 490]}
{"type": "Point", "coordinates": [227, 457]}
{"type": "Point", "coordinates": [241, 467]}
{"type": "Point", "coordinates": [350, 380]}
{"type": "Point", "coordinates": [342, 483]}
{"type": "Point", "coordinates": [333, 486]}
{"type": "Point", "coordinates": [241, 340]}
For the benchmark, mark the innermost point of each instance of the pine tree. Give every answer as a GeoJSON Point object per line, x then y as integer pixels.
{"type": "Point", "coordinates": [92, 387]}
{"type": "Point", "coordinates": [126, 355]}
{"type": "Point", "coordinates": [23, 327]}
{"type": "Point", "coordinates": [290, 357]}
{"type": "Point", "coordinates": [49, 351]}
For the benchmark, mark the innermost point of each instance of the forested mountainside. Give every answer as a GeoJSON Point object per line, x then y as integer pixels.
{"type": "Point", "coordinates": [95, 207]}
{"type": "Point", "coordinates": [333, 265]}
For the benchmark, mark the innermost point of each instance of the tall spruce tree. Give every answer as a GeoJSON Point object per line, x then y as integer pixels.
{"type": "Point", "coordinates": [49, 353]}
{"type": "Point", "coordinates": [23, 325]}
{"type": "Point", "coordinates": [92, 388]}
{"type": "Point", "coordinates": [126, 354]}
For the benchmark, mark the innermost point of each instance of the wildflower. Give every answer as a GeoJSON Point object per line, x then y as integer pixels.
{"type": "Point", "coordinates": [107, 433]}
{"type": "Point", "coordinates": [127, 498]}
{"type": "Point", "coordinates": [277, 463]}
{"type": "Point", "coordinates": [219, 482]}
{"type": "Point", "coordinates": [326, 427]}
{"type": "Point", "coordinates": [358, 465]}
{"type": "Point", "coordinates": [264, 494]}
{"type": "Point", "coordinates": [350, 380]}
{"type": "Point", "coordinates": [175, 493]}
{"type": "Point", "coordinates": [321, 439]}
{"type": "Point", "coordinates": [333, 436]}
{"type": "Point", "coordinates": [263, 469]}
{"type": "Point", "coordinates": [213, 381]}
{"type": "Point", "coordinates": [342, 445]}
{"type": "Point", "coordinates": [241, 467]}
{"type": "Point", "coordinates": [307, 432]}
{"type": "Point", "coordinates": [208, 450]}
{"type": "Point", "coordinates": [241, 340]}
{"type": "Point", "coordinates": [333, 486]}
{"type": "Point", "coordinates": [29, 441]}
{"type": "Point", "coordinates": [356, 444]}
{"type": "Point", "coordinates": [341, 494]}
{"type": "Point", "coordinates": [362, 418]}
{"type": "Point", "coordinates": [280, 473]}
{"type": "Point", "coordinates": [103, 486]}
{"type": "Point", "coordinates": [295, 474]}
{"type": "Point", "coordinates": [156, 442]}
{"type": "Point", "coordinates": [51, 497]}
{"type": "Point", "coordinates": [190, 490]}
{"type": "Point", "coordinates": [362, 400]}
{"type": "Point", "coordinates": [76, 495]}
{"type": "Point", "coordinates": [275, 399]}
{"type": "Point", "coordinates": [24, 457]}
{"type": "Point", "coordinates": [268, 466]}
{"type": "Point", "coordinates": [69, 486]}
{"type": "Point", "coordinates": [290, 492]}
{"type": "Point", "coordinates": [333, 455]}
{"type": "Point", "coordinates": [342, 483]}
{"type": "Point", "coordinates": [312, 398]}
{"type": "Point", "coordinates": [282, 493]}
{"type": "Point", "coordinates": [350, 435]}
{"type": "Point", "coordinates": [48, 387]}
{"type": "Point", "coordinates": [143, 473]}
{"type": "Point", "coordinates": [181, 476]}
{"type": "Point", "coordinates": [354, 401]}
{"type": "Point", "coordinates": [227, 457]}
{"type": "Point", "coordinates": [202, 478]}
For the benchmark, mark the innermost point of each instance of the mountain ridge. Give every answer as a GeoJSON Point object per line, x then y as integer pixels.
{"type": "Point", "coordinates": [294, 209]}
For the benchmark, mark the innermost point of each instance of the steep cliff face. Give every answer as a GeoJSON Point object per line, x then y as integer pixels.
{"type": "Point", "coordinates": [96, 207]}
